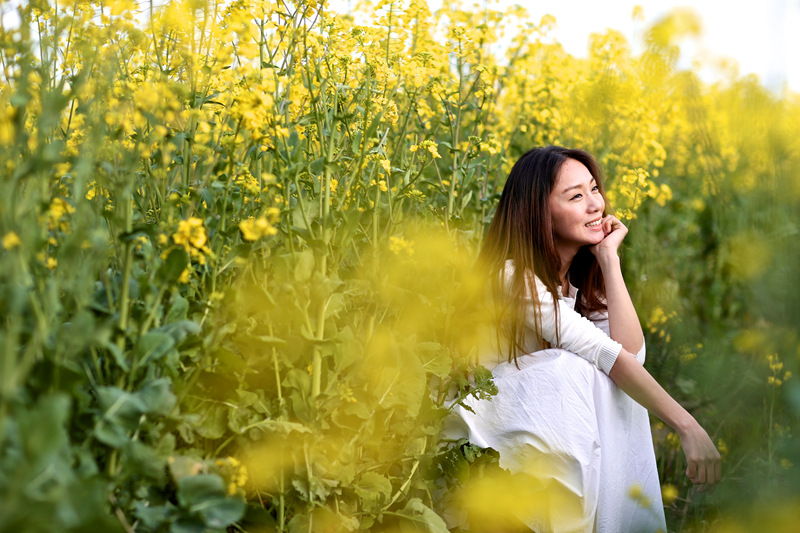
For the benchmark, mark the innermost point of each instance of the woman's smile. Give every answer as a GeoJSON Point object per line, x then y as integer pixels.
{"type": "Point", "coordinates": [595, 224]}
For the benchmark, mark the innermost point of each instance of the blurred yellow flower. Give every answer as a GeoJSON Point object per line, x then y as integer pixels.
{"type": "Point", "coordinates": [636, 492]}
{"type": "Point", "coordinates": [184, 277]}
{"type": "Point", "coordinates": [669, 493]}
{"type": "Point", "coordinates": [191, 235]}
{"type": "Point", "coordinates": [399, 245]}
{"type": "Point", "coordinates": [722, 447]}
{"type": "Point", "coordinates": [11, 241]}
{"type": "Point", "coordinates": [254, 229]}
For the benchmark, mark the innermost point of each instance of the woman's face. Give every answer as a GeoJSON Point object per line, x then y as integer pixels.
{"type": "Point", "coordinates": [576, 206]}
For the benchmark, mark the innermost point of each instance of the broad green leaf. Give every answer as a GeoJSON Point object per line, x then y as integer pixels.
{"type": "Point", "coordinates": [178, 310]}
{"type": "Point", "coordinates": [154, 516]}
{"type": "Point", "coordinates": [401, 382]}
{"type": "Point", "coordinates": [374, 482]}
{"type": "Point", "coordinates": [157, 397]}
{"type": "Point", "coordinates": [173, 266]}
{"type": "Point", "coordinates": [419, 517]}
{"type": "Point", "coordinates": [153, 346]}
{"type": "Point", "coordinates": [141, 459]}
{"type": "Point", "coordinates": [219, 513]}
{"type": "Point", "coordinates": [281, 426]}
{"type": "Point", "coordinates": [304, 267]}
{"type": "Point", "coordinates": [180, 330]}
{"type": "Point", "coordinates": [435, 358]}
{"type": "Point", "coordinates": [120, 407]}
{"type": "Point", "coordinates": [194, 490]}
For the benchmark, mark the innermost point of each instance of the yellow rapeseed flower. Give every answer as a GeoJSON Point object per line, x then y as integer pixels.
{"type": "Point", "coordinates": [669, 493]}
{"type": "Point", "coordinates": [191, 235]}
{"type": "Point", "coordinates": [11, 241]}
{"type": "Point", "coordinates": [184, 277]}
{"type": "Point", "coordinates": [399, 245]}
{"type": "Point", "coordinates": [254, 229]}
{"type": "Point", "coordinates": [636, 492]}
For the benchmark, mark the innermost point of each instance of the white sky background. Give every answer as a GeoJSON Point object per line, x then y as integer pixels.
{"type": "Point", "coordinates": [762, 36]}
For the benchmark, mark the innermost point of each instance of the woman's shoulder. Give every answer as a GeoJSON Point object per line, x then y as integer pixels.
{"type": "Point", "coordinates": [508, 273]}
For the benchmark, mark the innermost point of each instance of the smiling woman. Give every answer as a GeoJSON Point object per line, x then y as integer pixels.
{"type": "Point", "coordinates": [570, 421]}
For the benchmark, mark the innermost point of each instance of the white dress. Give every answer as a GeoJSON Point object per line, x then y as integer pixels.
{"type": "Point", "coordinates": [561, 419]}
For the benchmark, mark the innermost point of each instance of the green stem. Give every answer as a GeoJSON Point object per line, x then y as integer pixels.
{"type": "Point", "coordinates": [126, 275]}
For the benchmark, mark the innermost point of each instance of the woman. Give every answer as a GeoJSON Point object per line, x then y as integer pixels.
{"type": "Point", "coordinates": [571, 412]}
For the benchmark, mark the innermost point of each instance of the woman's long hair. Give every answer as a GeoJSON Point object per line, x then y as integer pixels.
{"type": "Point", "coordinates": [522, 230]}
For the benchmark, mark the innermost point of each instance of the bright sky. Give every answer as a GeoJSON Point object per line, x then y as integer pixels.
{"type": "Point", "coordinates": [763, 37]}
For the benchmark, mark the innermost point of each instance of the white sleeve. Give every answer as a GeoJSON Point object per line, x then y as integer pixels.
{"type": "Point", "coordinates": [576, 333]}
{"type": "Point", "coordinates": [600, 320]}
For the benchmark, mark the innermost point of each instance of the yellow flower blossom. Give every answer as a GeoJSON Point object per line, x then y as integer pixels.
{"type": "Point", "coordinates": [184, 277]}
{"type": "Point", "coordinates": [669, 493]}
{"type": "Point", "coordinates": [254, 229]}
{"type": "Point", "coordinates": [59, 208]}
{"type": "Point", "coordinates": [636, 492]}
{"type": "Point", "coordinates": [11, 240]}
{"type": "Point", "coordinates": [399, 245]}
{"type": "Point", "coordinates": [191, 235]}
{"type": "Point", "coordinates": [428, 145]}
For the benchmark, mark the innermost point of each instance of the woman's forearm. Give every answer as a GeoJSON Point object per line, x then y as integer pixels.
{"type": "Point", "coordinates": [631, 377]}
{"type": "Point", "coordinates": [704, 466]}
{"type": "Point", "coordinates": [623, 323]}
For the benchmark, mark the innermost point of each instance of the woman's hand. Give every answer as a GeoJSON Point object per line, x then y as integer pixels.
{"type": "Point", "coordinates": [614, 232]}
{"type": "Point", "coordinates": [705, 466]}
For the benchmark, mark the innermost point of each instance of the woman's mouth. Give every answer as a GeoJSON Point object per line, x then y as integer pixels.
{"type": "Point", "coordinates": [594, 223]}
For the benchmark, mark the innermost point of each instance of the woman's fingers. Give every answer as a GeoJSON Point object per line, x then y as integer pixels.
{"type": "Point", "coordinates": [706, 474]}
{"type": "Point", "coordinates": [607, 223]}
{"type": "Point", "coordinates": [691, 471]}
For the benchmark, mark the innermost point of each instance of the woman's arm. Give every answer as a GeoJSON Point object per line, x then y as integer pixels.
{"type": "Point", "coordinates": [623, 323]}
{"type": "Point", "coordinates": [703, 459]}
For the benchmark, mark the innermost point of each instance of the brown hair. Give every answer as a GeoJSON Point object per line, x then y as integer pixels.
{"type": "Point", "coordinates": [522, 230]}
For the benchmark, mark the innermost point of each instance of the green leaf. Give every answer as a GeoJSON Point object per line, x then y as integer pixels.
{"type": "Point", "coordinates": [419, 517]}
{"type": "Point", "coordinates": [373, 482]}
{"type": "Point", "coordinates": [157, 397]}
{"type": "Point", "coordinates": [153, 346]}
{"type": "Point", "coordinates": [188, 525]}
{"type": "Point", "coordinates": [173, 266]}
{"type": "Point", "coordinates": [194, 490]}
{"type": "Point", "coordinates": [120, 407]}
{"type": "Point", "coordinates": [304, 266]}
{"type": "Point", "coordinates": [219, 513]}
{"type": "Point", "coordinates": [402, 383]}
{"type": "Point", "coordinates": [179, 330]}
{"type": "Point", "coordinates": [298, 379]}
{"type": "Point", "coordinates": [435, 358]}
{"type": "Point", "coordinates": [280, 426]}
{"type": "Point", "coordinates": [153, 517]}
{"type": "Point", "coordinates": [267, 341]}
{"type": "Point", "coordinates": [141, 459]}
{"type": "Point", "coordinates": [178, 310]}
{"type": "Point", "coordinates": [116, 354]}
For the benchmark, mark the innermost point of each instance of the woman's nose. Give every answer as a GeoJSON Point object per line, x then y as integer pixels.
{"type": "Point", "coordinates": [595, 203]}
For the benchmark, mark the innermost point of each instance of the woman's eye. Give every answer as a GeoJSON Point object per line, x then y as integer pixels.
{"type": "Point", "coordinates": [595, 188]}
{"type": "Point", "coordinates": [577, 196]}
